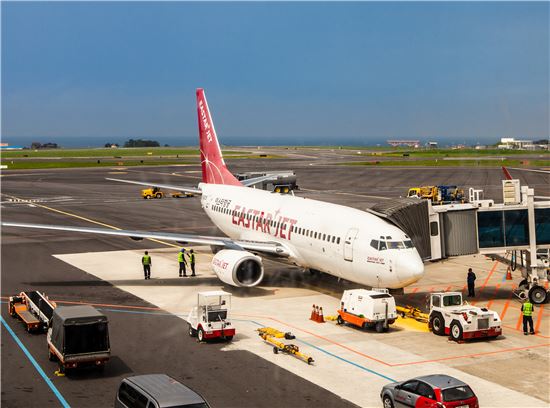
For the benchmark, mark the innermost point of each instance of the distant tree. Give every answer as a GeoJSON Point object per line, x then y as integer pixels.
{"type": "Point", "coordinates": [166, 145]}
{"type": "Point", "coordinates": [36, 145]}
{"type": "Point", "coordinates": [107, 145]}
{"type": "Point", "coordinates": [541, 141]}
{"type": "Point", "coordinates": [141, 143]}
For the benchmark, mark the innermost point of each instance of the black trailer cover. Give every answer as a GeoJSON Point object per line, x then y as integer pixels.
{"type": "Point", "coordinates": [411, 215]}
{"type": "Point", "coordinates": [79, 329]}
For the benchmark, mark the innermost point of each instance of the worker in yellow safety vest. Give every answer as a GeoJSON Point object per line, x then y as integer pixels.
{"type": "Point", "coordinates": [182, 262]}
{"type": "Point", "coordinates": [192, 262]}
{"type": "Point", "coordinates": [527, 311]}
{"type": "Point", "coordinates": [146, 262]}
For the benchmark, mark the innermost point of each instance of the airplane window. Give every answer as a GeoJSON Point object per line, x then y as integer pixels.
{"type": "Point", "coordinates": [408, 244]}
{"type": "Point", "coordinates": [396, 245]}
{"type": "Point", "coordinates": [315, 236]}
{"type": "Point", "coordinates": [374, 244]}
{"type": "Point", "coordinates": [382, 246]}
{"type": "Point", "coordinates": [338, 240]}
{"type": "Point", "coordinates": [333, 239]}
{"type": "Point", "coordinates": [388, 237]}
{"type": "Point", "coordinates": [324, 237]}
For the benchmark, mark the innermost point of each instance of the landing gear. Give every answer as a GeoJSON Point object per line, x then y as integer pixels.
{"type": "Point", "coordinates": [538, 295]}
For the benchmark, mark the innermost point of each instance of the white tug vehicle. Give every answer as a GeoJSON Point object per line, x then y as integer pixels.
{"type": "Point", "coordinates": [461, 321]}
{"type": "Point", "coordinates": [209, 319]}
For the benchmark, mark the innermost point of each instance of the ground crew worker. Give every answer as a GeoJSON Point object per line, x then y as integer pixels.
{"type": "Point", "coordinates": [183, 262]}
{"type": "Point", "coordinates": [527, 311]}
{"type": "Point", "coordinates": [146, 262]}
{"type": "Point", "coordinates": [192, 262]}
{"type": "Point", "coordinates": [471, 283]}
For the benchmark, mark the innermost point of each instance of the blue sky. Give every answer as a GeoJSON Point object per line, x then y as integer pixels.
{"type": "Point", "coordinates": [275, 73]}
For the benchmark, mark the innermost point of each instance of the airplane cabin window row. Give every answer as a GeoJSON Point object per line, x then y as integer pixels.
{"type": "Point", "coordinates": [276, 224]}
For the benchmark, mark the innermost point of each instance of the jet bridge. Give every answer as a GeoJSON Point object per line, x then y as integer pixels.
{"type": "Point", "coordinates": [517, 225]}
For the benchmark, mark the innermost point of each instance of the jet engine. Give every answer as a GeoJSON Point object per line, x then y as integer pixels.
{"type": "Point", "coordinates": [238, 268]}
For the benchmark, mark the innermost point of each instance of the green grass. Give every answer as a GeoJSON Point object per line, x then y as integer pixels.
{"type": "Point", "coordinates": [451, 163]}
{"type": "Point", "coordinates": [107, 152]}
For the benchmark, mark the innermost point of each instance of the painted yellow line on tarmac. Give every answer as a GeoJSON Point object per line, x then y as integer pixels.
{"type": "Point", "coordinates": [87, 219]}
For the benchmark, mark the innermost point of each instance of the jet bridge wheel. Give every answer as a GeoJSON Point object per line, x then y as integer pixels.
{"type": "Point", "coordinates": [537, 295]}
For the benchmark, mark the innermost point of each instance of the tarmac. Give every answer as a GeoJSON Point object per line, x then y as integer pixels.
{"type": "Point", "coordinates": [148, 330]}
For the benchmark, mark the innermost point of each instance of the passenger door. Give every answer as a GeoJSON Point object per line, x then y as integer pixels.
{"type": "Point", "coordinates": [405, 396]}
{"type": "Point", "coordinates": [427, 398]}
{"type": "Point", "coordinates": [348, 244]}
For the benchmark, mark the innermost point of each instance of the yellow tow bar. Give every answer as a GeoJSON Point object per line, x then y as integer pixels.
{"type": "Point", "coordinates": [270, 335]}
{"type": "Point", "coordinates": [413, 312]}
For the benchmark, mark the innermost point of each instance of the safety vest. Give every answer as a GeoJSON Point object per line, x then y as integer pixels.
{"type": "Point", "coordinates": [180, 257]}
{"type": "Point", "coordinates": [146, 260]}
{"type": "Point", "coordinates": [527, 309]}
{"type": "Point", "coordinates": [192, 258]}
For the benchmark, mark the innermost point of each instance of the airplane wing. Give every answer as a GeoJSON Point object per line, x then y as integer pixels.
{"type": "Point", "coordinates": [194, 190]}
{"type": "Point", "coordinates": [267, 247]}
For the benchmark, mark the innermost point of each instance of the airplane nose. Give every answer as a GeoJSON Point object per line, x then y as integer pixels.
{"type": "Point", "coordinates": [410, 269]}
{"type": "Point", "coordinates": [416, 268]}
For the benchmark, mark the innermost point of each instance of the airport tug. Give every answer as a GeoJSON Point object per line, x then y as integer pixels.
{"type": "Point", "coordinates": [209, 319]}
{"type": "Point", "coordinates": [461, 321]}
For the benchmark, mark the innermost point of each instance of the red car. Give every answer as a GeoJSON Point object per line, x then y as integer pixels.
{"type": "Point", "coordinates": [429, 391]}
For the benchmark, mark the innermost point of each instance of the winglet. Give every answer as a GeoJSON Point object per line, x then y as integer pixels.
{"type": "Point", "coordinates": [214, 170]}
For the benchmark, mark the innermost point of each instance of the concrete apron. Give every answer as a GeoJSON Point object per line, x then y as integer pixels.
{"type": "Point", "coordinates": [350, 363]}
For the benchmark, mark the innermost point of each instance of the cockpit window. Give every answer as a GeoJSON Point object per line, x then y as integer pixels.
{"type": "Point", "coordinates": [374, 244]}
{"type": "Point", "coordinates": [382, 246]}
{"type": "Point", "coordinates": [408, 244]}
{"type": "Point", "coordinates": [396, 245]}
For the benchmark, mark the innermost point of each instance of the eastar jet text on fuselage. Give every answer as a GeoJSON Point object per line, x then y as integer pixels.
{"type": "Point", "coordinates": [335, 239]}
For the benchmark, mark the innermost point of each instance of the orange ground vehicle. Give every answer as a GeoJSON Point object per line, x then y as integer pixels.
{"type": "Point", "coordinates": [367, 309]}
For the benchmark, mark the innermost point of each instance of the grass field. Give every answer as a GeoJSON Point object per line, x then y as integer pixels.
{"type": "Point", "coordinates": [452, 163]}
{"type": "Point", "coordinates": [107, 152]}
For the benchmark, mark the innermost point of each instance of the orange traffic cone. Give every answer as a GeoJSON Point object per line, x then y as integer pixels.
{"type": "Point", "coordinates": [321, 317]}
{"type": "Point", "coordinates": [508, 274]}
{"type": "Point", "coordinates": [313, 314]}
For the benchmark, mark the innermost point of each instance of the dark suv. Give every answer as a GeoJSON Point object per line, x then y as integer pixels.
{"type": "Point", "coordinates": [156, 391]}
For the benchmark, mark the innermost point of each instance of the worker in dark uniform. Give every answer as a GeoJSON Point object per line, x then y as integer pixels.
{"type": "Point", "coordinates": [182, 262]}
{"type": "Point", "coordinates": [192, 262]}
{"type": "Point", "coordinates": [146, 262]}
{"type": "Point", "coordinates": [471, 283]}
{"type": "Point", "coordinates": [527, 311]}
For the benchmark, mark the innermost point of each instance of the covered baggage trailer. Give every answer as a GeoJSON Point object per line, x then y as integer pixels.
{"type": "Point", "coordinates": [78, 336]}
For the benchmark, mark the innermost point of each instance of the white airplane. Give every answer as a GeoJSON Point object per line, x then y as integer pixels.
{"type": "Point", "coordinates": [335, 239]}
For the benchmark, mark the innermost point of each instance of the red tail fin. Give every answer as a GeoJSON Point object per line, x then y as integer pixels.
{"type": "Point", "coordinates": [506, 173]}
{"type": "Point", "coordinates": [213, 166]}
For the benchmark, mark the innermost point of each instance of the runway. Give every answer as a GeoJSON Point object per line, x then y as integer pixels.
{"type": "Point", "coordinates": [148, 331]}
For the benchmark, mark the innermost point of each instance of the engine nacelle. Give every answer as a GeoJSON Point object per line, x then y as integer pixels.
{"type": "Point", "coordinates": [238, 268]}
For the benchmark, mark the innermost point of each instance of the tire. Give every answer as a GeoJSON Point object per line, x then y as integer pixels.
{"type": "Point", "coordinates": [456, 331]}
{"type": "Point", "coordinates": [437, 323]}
{"type": "Point", "coordinates": [158, 195]}
{"type": "Point", "coordinates": [148, 197]}
{"type": "Point", "coordinates": [387, 402]}
{"type": "Point", "coordinates": [523, 285]}
{"type": "Point", "coordinates": [537, 295]}
{"type": "Point", "coordinates": [192, 332]}
{"type": "Point", "coordinates": [200, 334]}
{"type": "Point", "coordinates": [275, 350]}
{"type": "Point", "coordinates": [339, 320]}
{"type": "Point", "coordinates": [379, 327]}
{"type": "Point", "coordinates": [228, 338]}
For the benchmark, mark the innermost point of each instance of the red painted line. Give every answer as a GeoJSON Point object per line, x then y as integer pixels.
{"type": "Point", "coordinates": [470, 355]}
{"type": "Point", "coordinates": [490, 274]}
{"type": "Point", "coordinates": [490, 303]}
{"type": "Point", "coordinates": [513, 328]}
{"type": "Point", "coordinates": [448, 288]}
{"type": "Point", "coordinates": [539, 318]}
{"type": "Point", "coordinates": [503, 313]}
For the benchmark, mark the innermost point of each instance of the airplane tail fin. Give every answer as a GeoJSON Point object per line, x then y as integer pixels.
{"type": "Point", "coordinates": [214, 170]}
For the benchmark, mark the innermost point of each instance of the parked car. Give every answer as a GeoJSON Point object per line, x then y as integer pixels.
{"type": "Point", "coordinates": [437, 391]}
{"type": "Point", "coordinates": [156, 391]}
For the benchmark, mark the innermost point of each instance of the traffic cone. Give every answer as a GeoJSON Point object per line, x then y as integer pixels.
{"type": "Point", "coordinates": [508, 274]}
{"type": "Point", "coordinates": [321, 317]}
{"type": "Point", "coordinates": [313, 314]}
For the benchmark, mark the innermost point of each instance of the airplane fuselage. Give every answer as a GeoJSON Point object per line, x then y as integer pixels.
{"type": "Point", "coordinates": [339, 240]}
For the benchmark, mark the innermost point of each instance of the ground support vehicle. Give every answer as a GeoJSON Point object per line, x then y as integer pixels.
{"type": "Point", "coordinates": [153, 192]}
{"type": "Point", "coordinates": [181, 194]}
{"type": "Point", "coordinates": [449, 316]}
{"type": "Point", "coordinates": [436, 390]}
{"type": "Point", "coordinates": [209, 319]}
{"type": "Point", "coordinates": [33, 308]}
{"type": "Point", "coordinates": [78, 336]}
{"type": "Point", "coordinates": [438, 194]}
{"type": "Point", "coordinates": [156, 391]}
{"type": "Point", "coordinates": [271, 336]}
{"type": "Point", "coordinates": [367, 309]}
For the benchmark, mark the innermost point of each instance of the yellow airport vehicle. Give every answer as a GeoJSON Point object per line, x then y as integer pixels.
{"type": "Point", "coordinates": [271, 336]}
{"type": "Point", "coordinates": [181, 194]}
{"type": "Point", "coordinates": [153, 192]}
